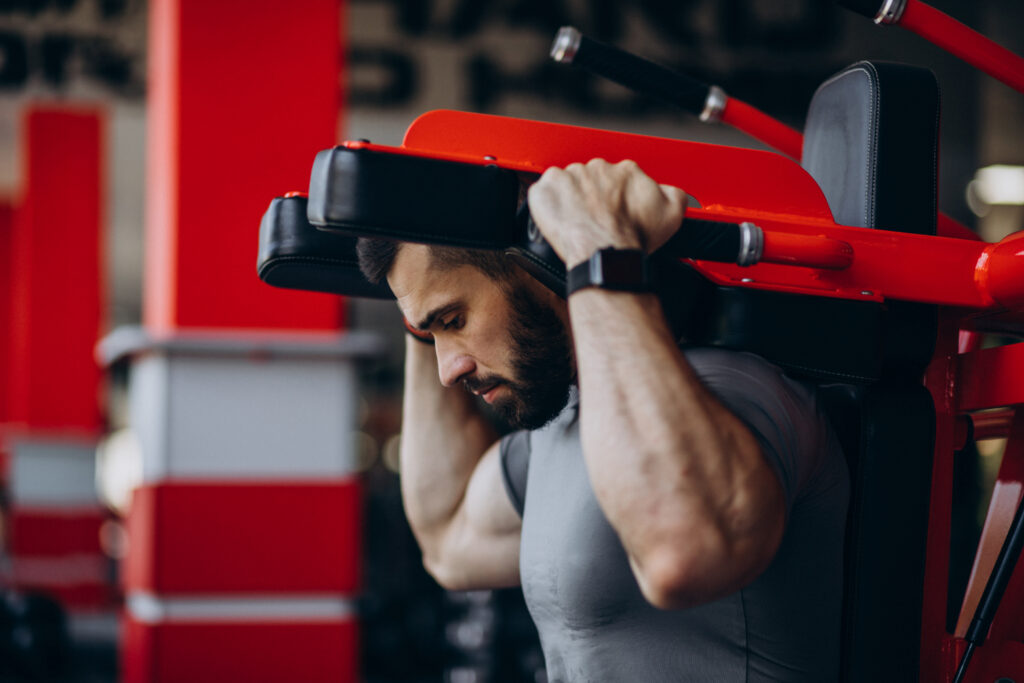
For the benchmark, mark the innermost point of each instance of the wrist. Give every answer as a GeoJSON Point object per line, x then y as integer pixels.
{"type": "Point", "coordinates": [614, 269]}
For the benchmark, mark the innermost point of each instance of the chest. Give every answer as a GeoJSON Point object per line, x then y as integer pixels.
{"type": "Point", "coordinates": [574, 570]}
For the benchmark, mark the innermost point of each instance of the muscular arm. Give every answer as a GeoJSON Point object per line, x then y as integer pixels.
{"type": "Point", "coordinates": [684, 483]}
{"type": "Point", "coordinates": [451, 482]}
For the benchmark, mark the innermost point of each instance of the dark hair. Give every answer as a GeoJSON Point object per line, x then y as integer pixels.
{"type": "Point", "coordinates": [377, 256]}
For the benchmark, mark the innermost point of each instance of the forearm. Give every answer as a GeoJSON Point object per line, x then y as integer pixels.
{"type": "Point", "coordinates": [443, 438]}
{"type": "Point", "coordinates": [679, 477]}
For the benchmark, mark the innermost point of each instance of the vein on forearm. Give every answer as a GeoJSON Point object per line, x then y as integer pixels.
{"type": "Point", "coordinates": [663, 454]}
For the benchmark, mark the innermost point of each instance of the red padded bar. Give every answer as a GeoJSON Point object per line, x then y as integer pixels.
{"type": "Point", "coordinates": [55, 532]}
{"type": "Point", "coordinates": [57, 287]}
{"type": "Point", "coordinates": [231, 538]}
{"type": "Point", "coordinates": [241, 97]}
{"type": "Point", "coordinates": [214, 652]}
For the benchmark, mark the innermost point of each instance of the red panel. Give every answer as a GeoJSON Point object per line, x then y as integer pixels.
{"type": "Point", "coordinates": [241, 97]}
{"type": "Point", "coordinates": [244, 538]}
{"type": "Point", "coordinates": [198, 652]}
{"type": "Point", "coordinates": [741, 179]}
{"type": "Point", "coordinates": [54, 380]}
{"type": "Point", "coordinates": [38, 532]}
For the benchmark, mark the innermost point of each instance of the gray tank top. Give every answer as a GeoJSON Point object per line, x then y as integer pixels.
{"type": "Point", "coordinates": [595, 624]}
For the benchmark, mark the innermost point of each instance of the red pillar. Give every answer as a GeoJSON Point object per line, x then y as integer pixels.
{"type": "Point", "coordinates": [244, 536]}
{"type": "Point", "coordinates": [57, 288]}
{"type": "Point", "coordinates": [241, 97]}
{"type": "Point", "coordinates": [52, 382]}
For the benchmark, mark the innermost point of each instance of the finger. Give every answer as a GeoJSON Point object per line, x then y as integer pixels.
{"type": "Point", "coordinates": [675, 196]}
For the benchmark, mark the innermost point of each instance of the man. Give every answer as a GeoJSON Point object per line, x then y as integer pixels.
{"type": "Point", "coordinates": [679, 517]}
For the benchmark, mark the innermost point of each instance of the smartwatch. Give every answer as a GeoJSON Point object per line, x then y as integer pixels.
{"type": "Point", "coordinates": [620, 270]}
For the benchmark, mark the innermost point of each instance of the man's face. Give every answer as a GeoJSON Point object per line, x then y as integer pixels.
{"type": "Point", "coordinates": [506, 344]}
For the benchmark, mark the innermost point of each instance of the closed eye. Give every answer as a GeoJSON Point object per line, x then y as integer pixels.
{"type": "Point", "coordinates": [453, 323]}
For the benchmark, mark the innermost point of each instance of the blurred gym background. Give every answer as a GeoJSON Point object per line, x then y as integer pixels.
{"type": "Point", "coordinates": [82, 260]}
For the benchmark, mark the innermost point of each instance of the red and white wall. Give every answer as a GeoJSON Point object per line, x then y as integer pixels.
{"type": "Point", "coordinates": [243, 539]}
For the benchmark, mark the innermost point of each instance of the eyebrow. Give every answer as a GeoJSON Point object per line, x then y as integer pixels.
{"type": "Point", "coordinates": [433, 315]}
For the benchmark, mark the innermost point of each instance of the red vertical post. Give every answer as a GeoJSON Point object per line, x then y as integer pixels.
{"type": "Point", "coordinates": [241, 97]}
{"type": "Point", "coordinates": [53, 383]}
{"type": "Point", "coordinates": [243, 550]}
{"type": "Point", "coordinates": [57, 288]}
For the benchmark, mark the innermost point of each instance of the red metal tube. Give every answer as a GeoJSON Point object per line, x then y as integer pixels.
{"type": "Point", "coordinates": [806, 250]}
{"type": "Point", "coordinates": [966, 43]}
{"type": "Point", "coordinates": [999, 273]}
{"type": "Point", "coordinates": [768, 130]}
{"type": "Point", "coordinates": [992, 424]}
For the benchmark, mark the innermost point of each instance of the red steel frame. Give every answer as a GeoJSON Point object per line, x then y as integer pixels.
{"type": "Point", "coordinates": [978, 286]}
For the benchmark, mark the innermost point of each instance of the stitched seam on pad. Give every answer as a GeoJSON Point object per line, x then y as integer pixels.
{"type": "Point", "coordinates": [872, 168]}
{"type": "Point", "coordinates": [872, 113]}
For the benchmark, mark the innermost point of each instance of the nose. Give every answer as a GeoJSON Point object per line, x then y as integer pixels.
{"type": "Point", "coordinates": [452, 364]}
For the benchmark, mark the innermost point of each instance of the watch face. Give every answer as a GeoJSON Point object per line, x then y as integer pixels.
{"type": "Point", "coordinates": [621, 268]}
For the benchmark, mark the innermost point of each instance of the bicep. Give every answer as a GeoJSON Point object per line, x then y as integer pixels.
{"type": "Point", "coordinates": [482, 548]}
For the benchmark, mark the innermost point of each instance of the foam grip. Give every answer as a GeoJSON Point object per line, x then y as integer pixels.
{"type": "Point", "coordinates": [414, 199]}
{"type": "Point", "coordinates": [634, 72]}
{"type": "Point", "coordinates": [706, 240]}
{"type": "Point", "coordinates": [295, 255]}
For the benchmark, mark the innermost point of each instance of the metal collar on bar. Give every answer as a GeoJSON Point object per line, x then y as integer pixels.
{"type": "Point", "coordinates": [891, 12]}
{"type": "Point", "coordinates": [714, 105]}
{"type": "Point", "coordinates": [566, 45]}
{"type": "Point", "coordinates": [751, 244]}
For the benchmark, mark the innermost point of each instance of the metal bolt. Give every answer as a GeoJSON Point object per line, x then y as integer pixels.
{"type": "Point", "coordinates": [490, 158]}
{"type": "Point", "coordinates": [747, 279]}
{"type": "Point", "coordinates": [867, 292]}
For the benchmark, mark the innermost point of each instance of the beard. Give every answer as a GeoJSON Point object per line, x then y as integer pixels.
{"type": "Point", "coordinates": [541, 361]}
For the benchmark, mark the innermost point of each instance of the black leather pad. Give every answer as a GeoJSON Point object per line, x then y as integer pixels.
{"type": "Point", "coordinates": [295, 255]}
{"type": "Point", "coordinates": [370, 193]}
{"type": "Point", "coordinates": [887, 432]}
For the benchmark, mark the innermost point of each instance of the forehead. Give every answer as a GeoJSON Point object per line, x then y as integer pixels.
{"type": "Point", "coordinates": [420, 285]}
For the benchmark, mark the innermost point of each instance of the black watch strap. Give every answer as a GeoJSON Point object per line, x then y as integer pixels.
{"type": "Point", "coordinates": [621, 270]}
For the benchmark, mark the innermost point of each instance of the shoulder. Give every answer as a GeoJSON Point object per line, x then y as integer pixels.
{"type": "Point", "coordinates": [783, 414]}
